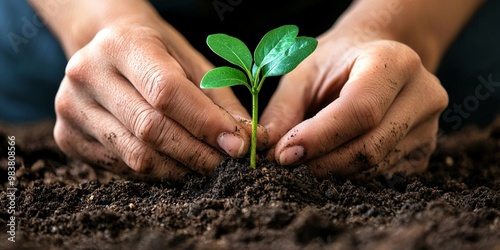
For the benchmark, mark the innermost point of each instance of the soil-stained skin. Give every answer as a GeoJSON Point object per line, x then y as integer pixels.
{"type": "Point", "coordinates": [263, 134]}
{"type": "Point", "coordinates": [111, 137]}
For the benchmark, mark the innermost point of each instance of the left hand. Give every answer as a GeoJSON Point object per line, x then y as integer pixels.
{"type": "Point", "coordinates": [357, 111]}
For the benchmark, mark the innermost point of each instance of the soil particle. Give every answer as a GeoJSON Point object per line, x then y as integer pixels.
{"type": "Point", "coordinates": [111, 137]}
{"type": "Point", "coordinates": [65, 204]}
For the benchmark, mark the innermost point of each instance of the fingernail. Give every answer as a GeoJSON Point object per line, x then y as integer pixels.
{"type": "Point", "coordinates": [232, 144]}
{"type": "Point", "coordinates": [291, 155]}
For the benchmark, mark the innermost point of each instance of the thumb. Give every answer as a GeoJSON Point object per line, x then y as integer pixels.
{"type": "Point", "coordinates": [225, 98]}
{"type": "Point", "coordinates": [287, 106]}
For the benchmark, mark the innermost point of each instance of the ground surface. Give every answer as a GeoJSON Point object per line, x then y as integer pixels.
{"type": "Point", "coordinates": [63, 204]}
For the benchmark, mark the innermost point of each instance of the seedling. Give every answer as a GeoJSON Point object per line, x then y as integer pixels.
{"type": "Point", "coordinates": [278, 53]}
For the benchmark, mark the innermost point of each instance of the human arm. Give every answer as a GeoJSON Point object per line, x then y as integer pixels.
{"type": "Point", "coordinates": [428, 27]}
{"type": "Point", "coordinates": [366, 102]}
{"type": "Point", "coordinates": [130, 97]}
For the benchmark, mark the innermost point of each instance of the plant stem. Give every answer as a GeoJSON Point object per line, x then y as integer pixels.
{"type": "Point", "coordinates": [255, 119]}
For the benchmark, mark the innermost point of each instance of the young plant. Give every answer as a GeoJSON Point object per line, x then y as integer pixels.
{"type": "Point", "coordinates": [278, 53]}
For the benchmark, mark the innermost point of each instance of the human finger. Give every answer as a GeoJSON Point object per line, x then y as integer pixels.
{"type": "Point", "coordinates": [147, 124]}
{"type": "Point", "coordinates": [411, 156]}
{"type": "Point", "coordinates": [225, 98]}
{"type": "Point", "coordinates": [146, 63]}
{"type": "Point", "coordinates": [287, 106]}
{"type": "Point", "coordinates": [373, 85]}
{"type": "Point", "coordinates": [106, 132]}
{"type": "Point", "coordinates": [408, 121]}
{"type": "Point", "coordinates": [354, 159]}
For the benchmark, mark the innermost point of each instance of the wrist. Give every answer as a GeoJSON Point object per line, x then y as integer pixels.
{"type": "Point", "coordinates": [75, 23]}
{"type": "Point", "coordinates": [427, 26]}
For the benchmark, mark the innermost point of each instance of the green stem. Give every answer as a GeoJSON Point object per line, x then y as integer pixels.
{"type": "Point", "coordinates": [255, 119]}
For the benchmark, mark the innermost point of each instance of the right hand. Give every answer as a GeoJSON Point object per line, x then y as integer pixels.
{"type": "Point", "coordinates": [130, 100]}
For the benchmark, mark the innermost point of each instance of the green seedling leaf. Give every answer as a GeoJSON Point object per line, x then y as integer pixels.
{"type": "Point", "coordinates": [232, 49]}
{"type": "Point", "coordinates": [254, 72]}
{"type": "Point", "coordinates": [223, 77]}
{"type": "Point", "coordinates": [289, 59]}
{"type": "Point", "coordinates": [274, 44]}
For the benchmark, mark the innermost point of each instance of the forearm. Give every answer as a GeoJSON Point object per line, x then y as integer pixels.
{"type": "Point", "coordinates": [428, 26]}
{"type": "Point", "coordinates": [76, 22]}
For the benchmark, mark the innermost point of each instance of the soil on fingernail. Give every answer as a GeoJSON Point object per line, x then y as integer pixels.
{"type": "Point", "coordinates": [62, 203]}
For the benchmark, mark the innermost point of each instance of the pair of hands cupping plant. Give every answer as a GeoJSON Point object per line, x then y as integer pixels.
{"type": "Point", "coordinates": [130, 98]}
{"type": "Point", "coordinates": [333, 138]}
{"type": "Point", "coordinates": [278, 53]}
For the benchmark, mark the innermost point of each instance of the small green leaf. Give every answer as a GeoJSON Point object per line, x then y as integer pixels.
{"type": "Point", "coordinates": [274, 43]}
{"type": "Point", "coordinates": [223, 77]}
{"type": "Point", "coordinates": [232, 49]}
{"type": "Point", "coordinates": [289, 59]}
{"type": "Point", "coordinates": [254, 71]}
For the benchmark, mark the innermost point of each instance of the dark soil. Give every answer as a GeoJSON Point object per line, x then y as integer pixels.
{"type": "Point", "coordinates": [65, 204]}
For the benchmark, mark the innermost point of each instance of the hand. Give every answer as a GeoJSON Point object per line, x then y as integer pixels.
{"type": "Point", "coordinates": [130, 101]}
{"type": "Point", "coordinates": [369, 109]}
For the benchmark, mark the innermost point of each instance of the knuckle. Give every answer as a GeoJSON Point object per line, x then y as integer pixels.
{"type": "Point", "coordinates": [64, 106]}
{"type": "Point", "coordinates": [367, 112]}
{"type": "Point", "coordinates": [409, 58]}
{"type": "Point", "coordinates": [60, 131]}
{"type": "Point", "coordinates": [78, 67]}
{"type": "Point", "coordinates": [372, 154]}
{"type": "Point", "coordinates": [436, 97]}
{"type": "Point", "coordinates": [430, 145]}
{"type": "Point", "coordinates": [161, 87]}
{"type": "Point", "coordinates": [145, 126]}
{"type": "Point", "coordinates": [405, 56]}
{"type": "Point", "coordinates": [105, 43]}
{"type": "Point", "coordinates": [324, 139]}
{"type": "Point", "coordinates": [82, 65]}
{"type": "Point", "coordinates": [440, 95]}
{"type": "Point", "coordinates": [420, 155]}
{"type": "Point", "coordinates": [204, 121]}
{"type": "Point", "coordinates": [117, 37]}
{"type": "Point", "coordinates": [143, 167]}
{"type": "Point", "coordinates": [139, 158]}
{"type": "Point", "coordinates": [379, 146]}
{"type": "Point", "coordinates": [401, 56]}
{"type": "Point", "coordinates": [110, 39]}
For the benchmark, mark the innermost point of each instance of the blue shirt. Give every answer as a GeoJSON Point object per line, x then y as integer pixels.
{"type": "Point", "coordinates": [31, 64]}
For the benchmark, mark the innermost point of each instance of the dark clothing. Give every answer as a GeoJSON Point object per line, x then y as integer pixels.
{"type": "Point", "coordinates": [32, 62]}
{"type": "Point", "coordinates": [470, 71]}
